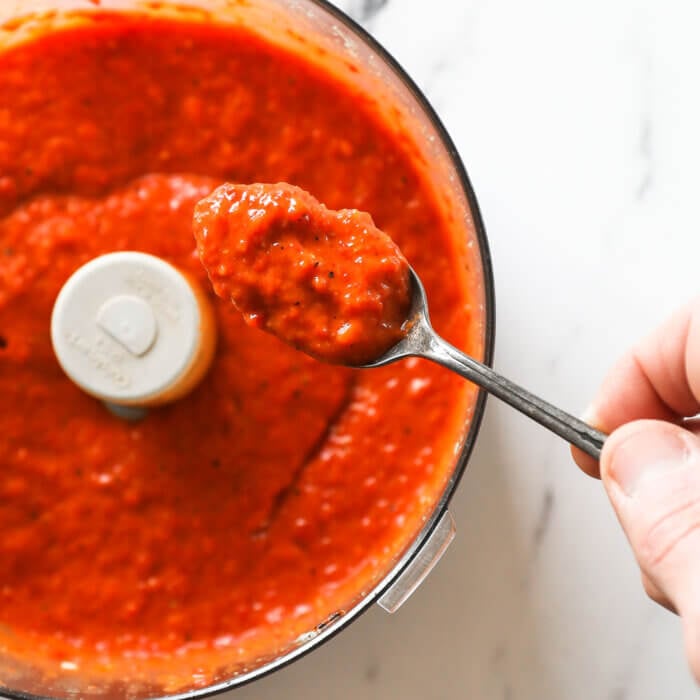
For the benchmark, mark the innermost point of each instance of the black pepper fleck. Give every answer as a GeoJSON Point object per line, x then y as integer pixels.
{"type": "Point", "coordinates": [331, 274]}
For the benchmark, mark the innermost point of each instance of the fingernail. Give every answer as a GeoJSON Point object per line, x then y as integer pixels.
{"type": "Point", "coordinates": [646, 454]}
{"type": "Point", "coordinates": [590, 416]}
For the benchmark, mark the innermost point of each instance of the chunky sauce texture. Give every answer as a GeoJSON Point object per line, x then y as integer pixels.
{"type": "Point", "coordinates": [329, 283]}
{"type": "Point", "coordinates": [220, 527]}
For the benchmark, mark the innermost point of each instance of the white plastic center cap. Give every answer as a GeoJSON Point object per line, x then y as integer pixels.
{"type": "Point", "coordinates": [130, 321]}
{"type": "Point", "coordinates": [128, 328]}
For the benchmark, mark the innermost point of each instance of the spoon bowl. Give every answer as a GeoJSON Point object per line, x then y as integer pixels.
{"type": "Point", "coordinates": [419, 337]}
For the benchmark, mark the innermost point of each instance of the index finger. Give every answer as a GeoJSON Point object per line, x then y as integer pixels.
{"type": "Point", "coordinates": [658, 379]}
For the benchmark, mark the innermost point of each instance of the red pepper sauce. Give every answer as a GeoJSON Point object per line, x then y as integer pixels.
{"type": "Point", "coordinates": [222, 526]}
{"type": "Point", "coordinates": [328, 283]}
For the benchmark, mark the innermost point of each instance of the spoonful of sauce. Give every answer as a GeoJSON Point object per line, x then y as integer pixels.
{"type": "Point", "coordinates": [334, 286]}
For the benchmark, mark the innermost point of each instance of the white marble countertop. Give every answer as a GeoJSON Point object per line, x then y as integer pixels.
{"type": "Point", "coordinates": [579, 124]}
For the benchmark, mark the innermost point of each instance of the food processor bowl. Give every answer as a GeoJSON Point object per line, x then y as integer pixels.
{"type": "Point", "coordinates": [298, 24]}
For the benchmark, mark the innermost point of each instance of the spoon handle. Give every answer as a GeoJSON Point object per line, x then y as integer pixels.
{"type": "Point", "coordinates": [572, 429]}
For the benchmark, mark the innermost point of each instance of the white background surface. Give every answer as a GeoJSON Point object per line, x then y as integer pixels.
{"type": "Point", "coordinates": [579, 124]}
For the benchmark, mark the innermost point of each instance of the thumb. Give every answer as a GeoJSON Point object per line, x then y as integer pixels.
{"type": "Point", "coordinates": [651, 471]}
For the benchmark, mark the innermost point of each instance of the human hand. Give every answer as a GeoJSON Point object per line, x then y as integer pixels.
{"type": "Point", "coordinates": [650, 464]}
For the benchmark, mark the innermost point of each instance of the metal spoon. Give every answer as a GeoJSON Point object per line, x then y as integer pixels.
{"type": "Point", "coordinates": [422, 341]}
